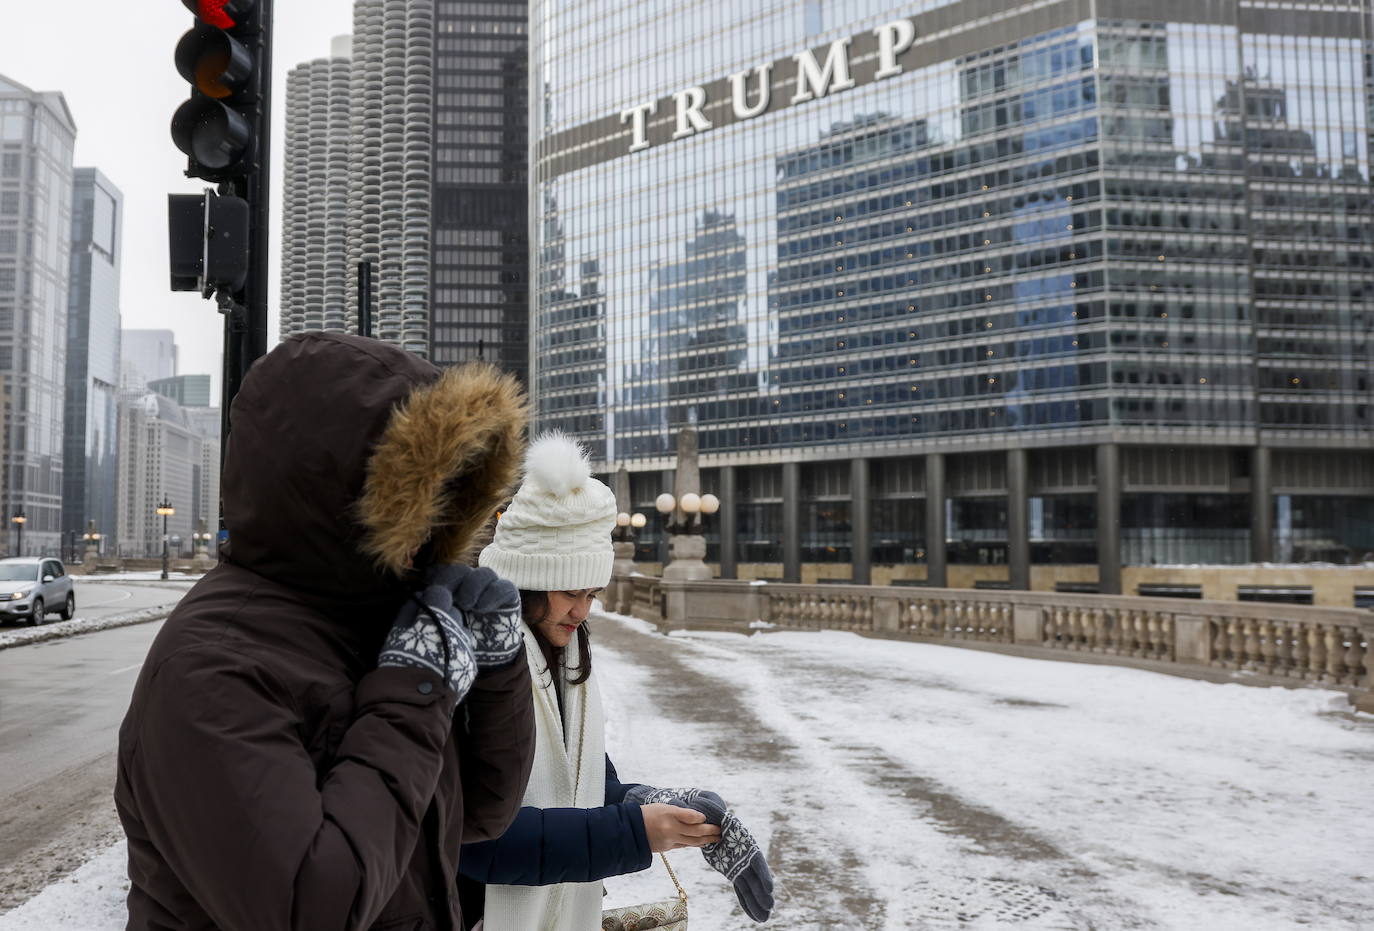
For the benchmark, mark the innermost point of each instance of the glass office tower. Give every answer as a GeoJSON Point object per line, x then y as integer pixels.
{"type": "Point", "coordinates": [37, 135]}
{"type": "Point", "coordinates": [960, 283]}
{"type": "Point", "coordinates": [90, 467]}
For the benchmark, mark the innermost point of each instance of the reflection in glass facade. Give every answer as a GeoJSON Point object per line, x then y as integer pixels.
{"type": "Point", "coordinates": [90, 475]}
{"type": "Point", "coordinates": [36, 138]}
{"type": "Point", "coordinates": [868, 230]}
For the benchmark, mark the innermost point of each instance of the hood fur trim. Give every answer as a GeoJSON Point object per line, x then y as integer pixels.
{"type": "Point", "coordinates": [448, 459]}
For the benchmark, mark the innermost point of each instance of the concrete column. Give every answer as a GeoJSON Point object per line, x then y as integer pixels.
{"type": "Point", "coordinates": [728, 530]}
{"type": "Point", "coordinates": [861, 528]}
{"type": "Point", "coordinates": [1261, 506]}
{"type": "Point", "coordinates": [1018, 521]}
{"type": "Point", "coordinates": [937, 574]}
{"type": "Point", "coordinates": [791, 522]}
{"type": "Point", "coordinates": [1109, 519]}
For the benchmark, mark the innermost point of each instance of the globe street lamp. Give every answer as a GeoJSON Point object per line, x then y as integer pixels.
{"type": "Point", "coordinates": [626, 525]}
{"type": "Point", "coordinates": [684, 516]}
{"type": "Point", "coordinates": [166, 510]}
{"type": "Point", "coordinates": [200, 542]}
{"type": "Point", "coordinates": [686, 541]}
{"type": "Point", "coordinates": [92, 540]}
{"type": "Point", "coordinates": [19, 520]}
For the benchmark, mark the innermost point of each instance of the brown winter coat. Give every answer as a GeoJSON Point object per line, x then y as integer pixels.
{"type": "Point", "coordinates": [270, 776]}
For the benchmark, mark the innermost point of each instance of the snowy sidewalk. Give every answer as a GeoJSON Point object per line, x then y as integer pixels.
{"type": "Point", "coordinates": [900, 785]}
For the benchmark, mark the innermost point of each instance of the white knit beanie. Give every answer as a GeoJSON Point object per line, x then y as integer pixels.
{"type": "Point", "coordinates": [556, 534]}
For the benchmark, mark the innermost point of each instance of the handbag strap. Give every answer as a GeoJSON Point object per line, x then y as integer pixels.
{"type": "Point", "coordinates": [681, 893]}
{"type": "Point", "coordinates": [582, 730]}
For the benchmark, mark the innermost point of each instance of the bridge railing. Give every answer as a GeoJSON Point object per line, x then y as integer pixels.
{"type": "Point", "coordinates": [1219, 640]}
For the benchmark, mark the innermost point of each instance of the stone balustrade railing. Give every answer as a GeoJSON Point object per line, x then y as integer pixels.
{"type": "Point", "coordinates": [1245, 641]}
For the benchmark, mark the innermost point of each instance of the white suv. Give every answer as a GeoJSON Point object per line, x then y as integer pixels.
{"type": "Point", "coordinates": [32, 587]}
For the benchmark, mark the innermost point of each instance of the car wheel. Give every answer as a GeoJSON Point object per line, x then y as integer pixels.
{"type": "Point", "coordinates": [69, 609]}
{"type": "Point", "coordinates": [39, 610]}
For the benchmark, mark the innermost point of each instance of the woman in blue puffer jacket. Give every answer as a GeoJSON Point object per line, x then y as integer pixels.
{"type": "Point", "coordinates": [579, 823]}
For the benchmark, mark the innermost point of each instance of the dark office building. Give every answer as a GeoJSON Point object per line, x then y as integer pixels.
{"type": "Point", "coordinates": [480, 252]}
{"type": "Point", "coordinates": [1008, 285]}
{"type": "Point", "coordinates": [90, 467]}
{"type": "Point", "coordinates": [435, 175]}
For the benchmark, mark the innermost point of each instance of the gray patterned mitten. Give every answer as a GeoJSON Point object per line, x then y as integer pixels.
{"type": "Point", "coordinates": [736, 856]}
{"type": "Point", "coordinates": [488, 604]}
{"type": "Point", "coordinates": [432, 638]}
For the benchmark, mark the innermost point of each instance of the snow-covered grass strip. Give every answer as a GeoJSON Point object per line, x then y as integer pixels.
{"type": "Point", "coordinates": [81, 625]}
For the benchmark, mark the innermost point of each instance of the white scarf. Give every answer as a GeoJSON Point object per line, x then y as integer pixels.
{"type": "Point", "coordinates": [554, 783]}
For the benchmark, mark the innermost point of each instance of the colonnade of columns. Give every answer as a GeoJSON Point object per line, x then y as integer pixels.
{"type": "Point", "coordinates": [1108, 493]}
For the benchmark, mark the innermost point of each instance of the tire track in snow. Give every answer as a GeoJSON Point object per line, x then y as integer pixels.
{"type": "Point", "coordinates": [937, 862]}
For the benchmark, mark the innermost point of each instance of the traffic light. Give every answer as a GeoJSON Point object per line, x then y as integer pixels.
{"type": "Point", "coordinates": [223, 58]}
{"type": "Point", "coordinates": [219, 239]}
{"type": "Point", "coordinates": [208, 239]}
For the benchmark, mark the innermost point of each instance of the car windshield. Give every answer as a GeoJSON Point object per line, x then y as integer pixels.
{"type": "Point", "coordinates": [18, 572]}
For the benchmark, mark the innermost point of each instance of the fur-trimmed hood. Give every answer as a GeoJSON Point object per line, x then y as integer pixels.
{"type": "Point", "coordinates": [347, 456]}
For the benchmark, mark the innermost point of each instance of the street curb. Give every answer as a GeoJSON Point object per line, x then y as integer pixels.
{"type": "Point", "coordinates": [79, 625]}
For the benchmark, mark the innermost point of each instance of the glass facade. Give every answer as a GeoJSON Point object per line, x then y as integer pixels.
{"type": "Point", "coordinates": [36, 138]}
{"type": "Point", "coordinates": [480, 257]}
{"type": "Point", "coordinates": [1114, 222]}
{"type": "Point", "coordinates": [90, 474]}
{"type": "Point", "coordinates": [887, 229]}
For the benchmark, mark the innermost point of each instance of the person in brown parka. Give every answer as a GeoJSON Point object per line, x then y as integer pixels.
{"type": "Point", "coordinates": [271, 773]}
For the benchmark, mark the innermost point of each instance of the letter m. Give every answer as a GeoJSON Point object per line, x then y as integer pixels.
{"type": "Point", "coordinates": [814, 81]}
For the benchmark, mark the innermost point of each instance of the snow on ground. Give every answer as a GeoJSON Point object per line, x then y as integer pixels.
{"type": "Point", "coordinates": [154, 575]}
{"type": "Point", "coordinates": [90, 899]}
{"type": "Point", "coordinates": [80, 625]}
{"type": "Point", "coordinates": [942, 786]}
{"type": "Point", "coordinates": [901, 785]}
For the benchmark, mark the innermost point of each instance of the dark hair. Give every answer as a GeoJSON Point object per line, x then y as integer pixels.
{"type": "Point", "coordinates": [534, 607]}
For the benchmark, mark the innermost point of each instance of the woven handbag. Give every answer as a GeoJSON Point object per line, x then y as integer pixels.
{"type": "Point", "coordinates": [668, 915]}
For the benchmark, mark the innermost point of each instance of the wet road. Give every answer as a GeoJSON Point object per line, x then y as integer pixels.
{"type": "Point", "coordinates": [61, 702]}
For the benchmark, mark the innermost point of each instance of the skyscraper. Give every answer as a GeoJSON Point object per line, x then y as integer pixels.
{"type": "Point", "coordinates": [162, 454]}
{"type": "Point", "coordinates": [90, 475]}
{"type": "Point", "coordinates": [315, 273]}
{"type": "Point", "coordinates": [146, 355]}
{"type": "Point", "coordinates": [37, 133]}
{"type": "Point", "coordinates": [436, 196]}
{"type": "Point", "coordinates": [1069, 285]}
{"type": "Point", "coordinates": [186, 390]}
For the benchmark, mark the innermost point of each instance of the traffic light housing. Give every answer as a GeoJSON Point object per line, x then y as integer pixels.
{"type": "Point", "coordinates": [208, 240]}
{"type": "Point", "coordinates": [219, 127]}
{"type": "Point", "coordinates": [219, 243]}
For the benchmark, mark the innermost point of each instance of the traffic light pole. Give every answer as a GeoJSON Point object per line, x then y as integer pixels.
{"type": "Point", "coordinates": [245, 325]}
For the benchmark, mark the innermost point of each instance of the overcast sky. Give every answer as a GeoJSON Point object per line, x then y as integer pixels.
{"type": "Point", "coordinates": [113, 62]}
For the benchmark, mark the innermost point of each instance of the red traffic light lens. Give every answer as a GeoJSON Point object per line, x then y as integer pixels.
{"type": "Point", "coordinates": [225, 14]}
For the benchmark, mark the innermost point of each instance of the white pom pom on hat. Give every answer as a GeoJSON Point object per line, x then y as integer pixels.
{"type": "Point", "coordinates": [556, 534]}
{"type": "Point", "coordinates": [556, 464]}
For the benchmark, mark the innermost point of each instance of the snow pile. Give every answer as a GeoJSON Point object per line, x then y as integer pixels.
{"type": "Point", "coordinates": [154, 575]}
{"type": "Point", "coordinates": [90, 899]}
{"type": "Point", "coordinates": [80, 625]}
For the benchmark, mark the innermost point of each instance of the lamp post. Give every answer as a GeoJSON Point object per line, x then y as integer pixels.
{"type": "Point", "coordinates": [19, 520]}
{"type": "Point", "coordinates": [166, 510]}
{"type": "Point", "coordinates": [92, 540]}
{"type": "Point", "coordinates": [200, 549]}
{"type": "Point", "coordinates": [686, 540]}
